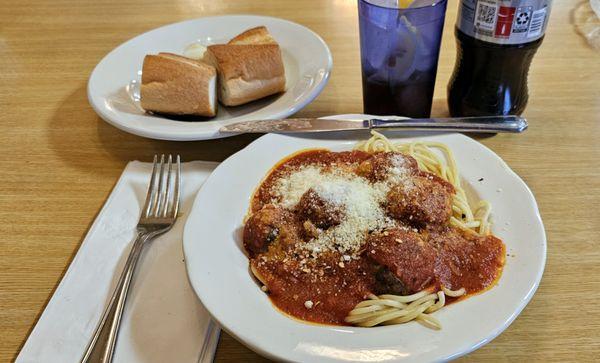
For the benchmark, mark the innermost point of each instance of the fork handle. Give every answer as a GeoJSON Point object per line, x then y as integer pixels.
{"type": "Point", "coordinates": [102, 345]}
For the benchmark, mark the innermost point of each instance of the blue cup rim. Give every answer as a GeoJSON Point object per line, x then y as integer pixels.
{"type": "Point", "coordinates": [435, 3]}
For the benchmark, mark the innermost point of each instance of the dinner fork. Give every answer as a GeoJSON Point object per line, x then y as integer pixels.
{"type": "Point", "coordinates": [157, 217]}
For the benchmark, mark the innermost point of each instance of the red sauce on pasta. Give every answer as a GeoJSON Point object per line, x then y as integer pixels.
{"type": "Point", "coordinates": [318, 255]}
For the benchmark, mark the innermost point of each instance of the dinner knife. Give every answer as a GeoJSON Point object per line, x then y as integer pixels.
{"type": "Point", "coordinates": [486, 124]}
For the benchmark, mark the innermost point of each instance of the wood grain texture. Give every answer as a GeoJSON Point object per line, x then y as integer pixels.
{"type": "Point", "coordinates": [59, 160]}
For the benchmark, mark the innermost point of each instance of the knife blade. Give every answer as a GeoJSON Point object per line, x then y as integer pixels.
{"type": "Point", "coordinates": [485, 124]}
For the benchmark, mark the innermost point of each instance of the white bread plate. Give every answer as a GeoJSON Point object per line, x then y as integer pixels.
{"type": "Point", "coordinates": [113, 87]}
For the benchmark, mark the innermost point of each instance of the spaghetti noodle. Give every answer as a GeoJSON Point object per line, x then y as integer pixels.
{"type": "Point", "coordinates": [396, 309]}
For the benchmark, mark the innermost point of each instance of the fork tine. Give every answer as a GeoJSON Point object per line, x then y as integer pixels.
{"type": "Point", "coordinates": [164, 206]}
{"type": "Point", "coordinates": [151, 188]}
{"type": "Point", "coordinates": [157, 196]}
{"type": "Point", "coordinates": [177, 187]}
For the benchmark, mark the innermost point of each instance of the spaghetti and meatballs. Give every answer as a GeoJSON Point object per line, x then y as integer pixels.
{"type": "Point", "coordinates": [382, 234]}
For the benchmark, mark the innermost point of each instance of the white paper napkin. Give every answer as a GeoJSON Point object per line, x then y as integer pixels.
{"type": "Point", "coordinates": [163, 320]}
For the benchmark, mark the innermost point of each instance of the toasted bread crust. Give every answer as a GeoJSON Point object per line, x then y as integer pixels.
{"type": "Point", "coordinates": [258, 35]}
{"type": "Point", "coordinates": [248, 62]}
{"type": "Point", "coordinates": [177, 85]}
{"type": "Point", "coordinates": [247, 72]}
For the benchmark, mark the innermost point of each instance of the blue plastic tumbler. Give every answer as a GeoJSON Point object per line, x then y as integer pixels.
{"type": "Point", "coordinates": [399, 50]}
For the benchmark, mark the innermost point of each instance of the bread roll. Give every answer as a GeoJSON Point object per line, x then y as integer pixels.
{"type": "Point", "coordinates": [249, 66]}
{"type": "Point", "coordinates": [258, 35]}
{"type": "Point", "coordinates": [177, 85]}
{"type": "Point", "coordinates": [247, 72]}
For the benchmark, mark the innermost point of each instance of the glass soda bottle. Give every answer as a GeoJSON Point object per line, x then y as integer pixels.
{"type": "Point", "coordinates": [496, 41]}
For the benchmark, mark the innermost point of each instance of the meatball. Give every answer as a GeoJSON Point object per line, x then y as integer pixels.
{"type": "Point", "coordinates": [381, 165]}
{"type": "Point", "coordinates": [466, 260]}
{"type": "Point", "coordinates": [386, 282]}
{"type": "Point", "coordinates": [265, 226]}
{"type": "Point", "coordinates": [320, 212]}
{"type": "Point", "coordinates": [407, 259]}
{"type": "Point", "coordinates": [422, 200]}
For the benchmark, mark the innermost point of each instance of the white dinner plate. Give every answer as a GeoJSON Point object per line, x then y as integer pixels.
{"type": "Point", "coordinates": [219, 273]}
{"type": "Point", "coordinates": [113, 88]}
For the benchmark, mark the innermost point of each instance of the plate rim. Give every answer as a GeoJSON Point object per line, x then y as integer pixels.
{"type": "Point", "coordinates": [256, 344]}
{"type": "Point", "coordinates": [191, 136]}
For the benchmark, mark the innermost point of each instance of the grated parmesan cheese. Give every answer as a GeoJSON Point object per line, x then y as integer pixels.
{"type": "Point", "coordinates": [360, 201]}
{"type": "Point", "coordinates": [291, 188]}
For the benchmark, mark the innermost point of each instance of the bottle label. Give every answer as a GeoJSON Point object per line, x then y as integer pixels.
{"type": "Point", "coordinates": [504, 21]}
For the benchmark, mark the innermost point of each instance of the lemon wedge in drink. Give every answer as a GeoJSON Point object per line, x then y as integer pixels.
{"type": "Point", "coordinates": [403, 4]}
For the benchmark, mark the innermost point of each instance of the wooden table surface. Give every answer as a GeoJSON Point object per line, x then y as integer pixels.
{"type": "Point", "coordinates": [59, 160]}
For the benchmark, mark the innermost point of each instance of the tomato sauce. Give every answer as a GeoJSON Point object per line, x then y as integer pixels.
{"type": "Point", "coordinates": [324, 288]}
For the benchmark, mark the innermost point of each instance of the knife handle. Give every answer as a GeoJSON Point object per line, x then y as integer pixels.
{"type": "Point", "coordinates": [487, 124]}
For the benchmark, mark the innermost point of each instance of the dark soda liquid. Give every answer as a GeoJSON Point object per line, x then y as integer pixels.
{"type": "Point", "coordinates": [411, 98]}
{"type": "Point", "coordinates": [399, 50]}
{"type": "Point", "coordinates": [489, 79]}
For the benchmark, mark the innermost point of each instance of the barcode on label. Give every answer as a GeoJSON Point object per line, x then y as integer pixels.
{"type": "Point", "coordinates": [485, 16]}
{"type": "Point", "coordinates": [537, 23]}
